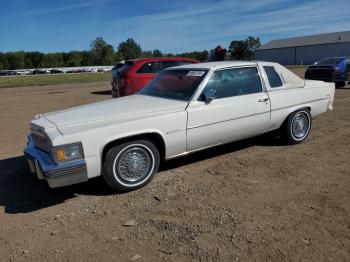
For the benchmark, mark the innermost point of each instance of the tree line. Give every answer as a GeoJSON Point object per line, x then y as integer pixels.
{"type": "Point", "coordinates": [103, 53]}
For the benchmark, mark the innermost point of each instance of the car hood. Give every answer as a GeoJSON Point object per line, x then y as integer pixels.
{"type": "Point", "coordinates": [119, 109]}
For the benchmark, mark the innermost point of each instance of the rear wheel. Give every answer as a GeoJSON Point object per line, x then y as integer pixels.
{"type": "Point", "coordinates": [131, 165]}
{"type": "Point", "coordinates": [297, 126]}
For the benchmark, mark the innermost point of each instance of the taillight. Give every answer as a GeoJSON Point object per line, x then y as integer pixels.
{"type": "Point", "coordinates": [125, 85]}
{"type": "Point", "coordinates": [126, 82]}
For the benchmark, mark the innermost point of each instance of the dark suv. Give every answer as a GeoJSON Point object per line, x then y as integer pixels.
{"type": "Point", "coordinates": [129, 78]}
{"type": "Point", "coordinates": [333, 69]}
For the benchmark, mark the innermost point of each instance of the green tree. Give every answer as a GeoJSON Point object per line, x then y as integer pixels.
{"type": "Point", "coordinates": [129, 49]}
{"type": "Point", "coordinates": [244, 49]}
{"type": "Point", "coordinates": [200, 56]}
{"type": "Point", "coordinates": [239, 50]}
{"type": "Point", "coordinates": [15, 60]}
{"type": "Point", "coordinates": [27, 61]}
{"type": "Point", "coordinates": [253, 44]}
{"type": "Point", "coordinates": [35, 58]}
{"type": "Point", "coordinates": [147, 54]}
{"type": "Point", "coordinates": [157, 53]}
{"type": "Point", "coordinates": [102, 51]}
{"type": "Point", "coordinates": [73, 58]}
{"type": "Point", "coordinates": [87, 58]}
{"type": "Point", "coordinates": [3, 61]}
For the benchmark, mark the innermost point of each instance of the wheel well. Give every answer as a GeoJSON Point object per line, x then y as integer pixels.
{"type": "Point", "coordinates": [285, 120]}
{"type": "Point", "coordinates": [155, 138]}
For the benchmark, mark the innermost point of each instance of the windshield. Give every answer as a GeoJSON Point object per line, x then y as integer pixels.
{"type": "Point", "coordinates": [330, 61]}
{"type": "Point", "coordinates": [175, 84]}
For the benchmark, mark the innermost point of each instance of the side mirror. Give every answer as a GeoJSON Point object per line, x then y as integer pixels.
{"type": "Point", "coordinates": [209, 95]}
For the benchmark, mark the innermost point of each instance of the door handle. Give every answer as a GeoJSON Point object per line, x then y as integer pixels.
{"type": "Point", "coordinates": [263, 99]}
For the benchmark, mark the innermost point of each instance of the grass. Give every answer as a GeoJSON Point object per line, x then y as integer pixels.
{"type": "Point", "coordinates": [56, 79]}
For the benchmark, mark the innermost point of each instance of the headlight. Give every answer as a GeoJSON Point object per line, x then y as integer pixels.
{"type": "Point", "coordinates": [68, 152]}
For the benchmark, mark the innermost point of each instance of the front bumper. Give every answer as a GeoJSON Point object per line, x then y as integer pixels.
{"type": "Point", "coordinates": [56, 175]}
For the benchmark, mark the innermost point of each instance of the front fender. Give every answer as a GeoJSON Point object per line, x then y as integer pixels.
{"type": "Point", "coordinates": [127, 136]}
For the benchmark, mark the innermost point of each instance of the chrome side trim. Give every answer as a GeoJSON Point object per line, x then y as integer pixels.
{"type": "Point", "coordinates": [316, 100]}
{"type": "Point", "coordinates": [231, 119]}
{"type": "Point", "coordinates": [276, 109]}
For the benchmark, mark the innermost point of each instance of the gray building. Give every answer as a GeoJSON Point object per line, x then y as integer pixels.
{"type": "Point", "coordinates": [306, 49]}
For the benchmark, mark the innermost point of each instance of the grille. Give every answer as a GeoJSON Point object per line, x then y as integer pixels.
{"type": "Point", "coordinates": [320, 72]}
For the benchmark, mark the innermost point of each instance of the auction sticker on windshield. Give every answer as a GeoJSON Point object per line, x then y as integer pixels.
{"type": "Point", "coordinates": [195, 73]}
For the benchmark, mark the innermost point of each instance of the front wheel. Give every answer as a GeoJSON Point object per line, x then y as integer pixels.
{"type": "Point", "coordinates": [297, 127]}
{"type": "Point", "coordinates": [131, 165]}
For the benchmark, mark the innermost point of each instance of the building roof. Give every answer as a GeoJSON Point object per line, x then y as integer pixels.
{"type": "Point", "coordinates": [337, 37]}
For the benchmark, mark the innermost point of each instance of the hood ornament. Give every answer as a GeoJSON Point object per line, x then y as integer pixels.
{"type": "Point", "coordinates": [37, 116]}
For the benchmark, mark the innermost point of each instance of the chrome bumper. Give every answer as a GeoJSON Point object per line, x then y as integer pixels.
{"type": "Point", "coordinates": [56, 175]}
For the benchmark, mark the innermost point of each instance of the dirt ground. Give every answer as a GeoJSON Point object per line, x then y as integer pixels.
{"type": "Point", "coordinates": [256, 200]}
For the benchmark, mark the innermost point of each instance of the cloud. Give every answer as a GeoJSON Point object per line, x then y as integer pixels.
{"type": "Point", "coordinates": [205, 25]}
{"type": "Point", "coordinates": [64, 8]}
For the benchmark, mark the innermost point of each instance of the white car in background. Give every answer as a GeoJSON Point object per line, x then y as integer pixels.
{"type": "Point", "coordinates": [183, 110]}
{"type": "Point", "coordinates": [23, 72]}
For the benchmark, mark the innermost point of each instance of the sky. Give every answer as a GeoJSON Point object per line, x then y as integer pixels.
{"type": "Point", "coordinates": [172, 26]}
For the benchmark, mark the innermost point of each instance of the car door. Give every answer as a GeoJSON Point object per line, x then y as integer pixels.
{"type": "Point", "coordinates": [149, 70]}
{"type": "Point", "coordinates": [241, 109]}
{"type": "Point", "coordinates": [145, 74]}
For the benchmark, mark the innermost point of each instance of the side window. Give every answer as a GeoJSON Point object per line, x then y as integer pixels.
{"type": "Point", "coordinates": [147, 68]}
{"type": "Point", "coordinates": [235, 82]}
{"type": "Point", "coordinates": [274, 78]}
{"type": "Point", "coordinates": [166, 64]}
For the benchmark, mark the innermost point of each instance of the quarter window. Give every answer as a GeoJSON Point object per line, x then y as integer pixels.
{"type": "Point", "coordinates": [235, 82]}
{"type": "Point", "coordinates": [156, 67]}
{"type": "Point", "coordinates": [147, 68]}
{"type": "Point", "coordinates": [274, 78]}
{"type": "Point", "coordinates": [166, 64]}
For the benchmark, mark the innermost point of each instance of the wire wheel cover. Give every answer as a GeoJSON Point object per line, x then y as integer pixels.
{"type": "Point", "coordinates": [300, 125]}
{"type": "Point", "coordinates": [134, 164]}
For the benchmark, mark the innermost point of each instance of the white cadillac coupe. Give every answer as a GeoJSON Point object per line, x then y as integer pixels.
{"type": "Point", "coordinates": [183, 110]}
